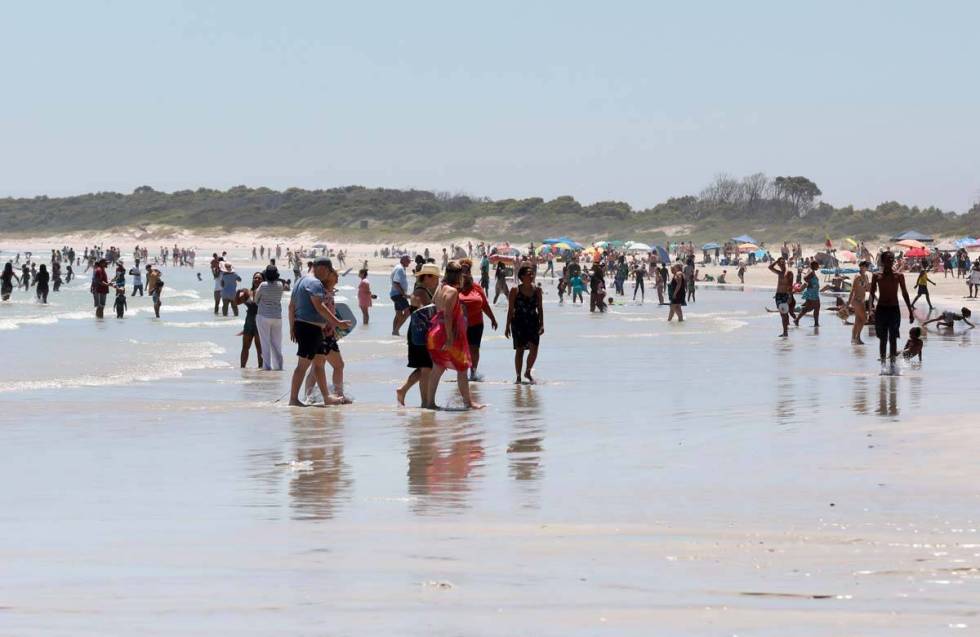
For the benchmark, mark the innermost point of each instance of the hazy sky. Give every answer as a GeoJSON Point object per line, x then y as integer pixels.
{"type": "Point", "coordinates": [633, 101]}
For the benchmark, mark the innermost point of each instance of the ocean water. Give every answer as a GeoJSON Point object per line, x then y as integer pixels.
{"type": "Point", "coordinates": [703, 478]}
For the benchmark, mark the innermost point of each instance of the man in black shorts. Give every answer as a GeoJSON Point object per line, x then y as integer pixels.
{"type": "Point", "coordinates": [308, 314]}
{"type": "Point", "coordinates": [888, 317]}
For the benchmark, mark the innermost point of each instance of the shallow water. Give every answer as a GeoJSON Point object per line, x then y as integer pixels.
{"type": "Point", "coordinates": [697, 479]}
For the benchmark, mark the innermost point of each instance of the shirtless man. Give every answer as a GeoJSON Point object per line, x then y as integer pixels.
{"type": "Point", "coordinates": [784, 292]}
{"type": "Point", "coordinates": [859, 289]}
{"type": "Point", "coordinates": [888, 316]}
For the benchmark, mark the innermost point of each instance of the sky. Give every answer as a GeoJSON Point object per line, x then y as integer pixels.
{"type": "Point", "coordinates": [626, 101]}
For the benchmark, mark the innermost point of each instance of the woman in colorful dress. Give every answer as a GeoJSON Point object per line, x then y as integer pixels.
{"type": "Point", "coordinates": [447, 342]}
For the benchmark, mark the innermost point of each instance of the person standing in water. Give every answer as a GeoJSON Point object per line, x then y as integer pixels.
{"type": "Point", "coordinates": [638, 275]}
{"type": "Point", "coordinates": [41, 283]}
{"type": "Point", "coordinates": [677, 294]}
{"type": "Point", "coordinates": [419, 360]}
{"type": "Point", "coordinates": [250, 331]}
{"type": "Point", "coordinates": [475, 303]}
{"type": "Point", "coordinates": [399, 293]}
{"type": "Point", "coordinates": [137, 275]}
{"type": "Point", "coordinates": [100, 287]}
{"type": "Point", "coordinates": [268, 320]}
{"type": "Point", "coordinates": [859, 292]}
{"type": "Point", "coordinates": [885, 286]}
{"type": "Point", "coordinates": [229, 286]}
{"type": "Point", "coordinates": [364, 295]}
{"type": "Point", "coordinates": [784, 292]}
{"type": "Point", "coordinates": [447, 342]}
{"type": "Point", "coordinates": [525, 320]}
{"type": "Point", "coordinates": [811, 295]}
{"type": "Point", "coordinates": [500, 275]}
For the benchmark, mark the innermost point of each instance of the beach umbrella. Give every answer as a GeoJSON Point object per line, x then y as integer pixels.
{"type": "Point", "coordinates": [710, 246]}
{"type": "Point", "coordinates": [851, 242]}
{"type": "Point", "coordinates": [747, 247]}
{"type": "Point", "coordinates": [636, 246]}
{"type": "Point", "coordinates": [662, 254]}
{"type": "Point", "coordinates": [601, 244]}
{"type": "Point", "coordinates": [915, 253]}
{"type": "Point", "coordinates": [552, 240]}
{"type": "Point", "coordinates": [743, 239]}
{"type": "Point", "coordinates": [910, 243]}
{"type": "Point", "coordinates": [561, 245]}
{"type": "Point", "coordinates": [913, 235]}
{"type": "Point", "coordinates": [846, 256]}
{"type": "Point", "coordinates": [967, 242]}
{"type": "Point", "coordinates": [760, 254]}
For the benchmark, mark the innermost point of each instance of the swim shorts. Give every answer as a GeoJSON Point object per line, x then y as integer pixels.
{"type": "Point", "coordinates": [328, 344]}
{"type": "Point", "coordinates": [782, 302]}
{"type": "Point", "coordinates": [401, 303]}
{"type": "Point", "coordinates": [99, 299]}
{"type": "Point", "coordinates": [308, 339]}
{"type": "Point", "coordinates": [888, 321]}
{"type": "Point", "coordinates": [474, 335]}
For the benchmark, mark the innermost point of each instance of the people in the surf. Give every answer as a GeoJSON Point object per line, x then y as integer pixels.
{"type": "Point", "coordinates": [41, 282]}
{"type": "Point", "coordinates": [137, 277]}
{"type": "Point", "coordinates": [525, 321]}
{"type": "Point", "coordinates": [948, 319]}
{"type": "Point", "coordinates": [475, 305]}
{"type": "Point", "coordinates": [913, 346]}
{"type": "Point", "coordinates": [119, 303]}
{"type": "Point", "coordinates": [447, 342]}
{"type": "Point", "coordinates": [784, 292]}
{"type": "Point", "coordinates": [857, 302]}
{"type": "Point", "coordinates": [329, 351]}
{"type": "Point", "coordinates": [885, 286]}
{"type": "Point", "coordinates": [419, 360]}
{"type": "Point", "coordinates": [250, 330]}
{"type": "Point", "coordinates": [811, 295]}
{"type": "Point", "coordinates": [268, 320]}
{"type": "Point", "coordinates": [677, 294]}
{"type": "Point", "coordinates": [364, 296]}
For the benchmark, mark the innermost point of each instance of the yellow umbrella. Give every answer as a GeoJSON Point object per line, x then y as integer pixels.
{"type": "Point", "coordinates": [851, 242]}
{"type": "Point", "coordinates": [561, 245]}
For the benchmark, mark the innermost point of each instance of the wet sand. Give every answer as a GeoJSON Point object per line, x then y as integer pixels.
{"type": "Point", "coordinates": [661, 479]}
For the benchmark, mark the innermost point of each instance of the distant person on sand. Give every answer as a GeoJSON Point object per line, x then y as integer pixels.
{"type": "Point", "coordinates": [525, 320]}
{"type": "Point", "coordinates": [399, 293]}
{"type": "Point", "coordinates": [885, 286]}
{"type": "Point", "coordinates": [784, 292]}
{"type": "Point", "coordinates": [922, 287]}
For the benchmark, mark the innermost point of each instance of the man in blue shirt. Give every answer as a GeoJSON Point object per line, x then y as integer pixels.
{"type": "Point", "coordinates": [400, 293]}
{"type": "Point", "coordinates": [229, 286]}
{"type": "Point", "coordinates": [308, 315]}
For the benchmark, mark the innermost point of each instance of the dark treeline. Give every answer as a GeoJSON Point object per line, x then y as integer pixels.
{"type": "Point", "coordinates": [770, 209]}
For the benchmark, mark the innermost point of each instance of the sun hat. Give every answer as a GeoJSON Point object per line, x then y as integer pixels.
{"type": "Point", "coordinates": [428, 268]}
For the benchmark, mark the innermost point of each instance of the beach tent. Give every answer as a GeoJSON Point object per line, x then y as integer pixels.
{"type": "Point", "coordinates": [636, 246]}
{"type": "Point", "coordinates": [846, 256]}
{"type": "Point", "coordinates": [911, 243]}
{"type": "Point", "coordinates": [913, 235]}
{"type": "Point", "coordinates": [743, 239]}
{"type": "Point", "coordinates": [710, 246]}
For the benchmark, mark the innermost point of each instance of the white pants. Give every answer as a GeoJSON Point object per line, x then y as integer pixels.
{"type": "Point", "coordinates": [270, 338]}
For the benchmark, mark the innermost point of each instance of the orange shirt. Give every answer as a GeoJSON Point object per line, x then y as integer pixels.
{"type": "Point", "coordinates": [473, 302]}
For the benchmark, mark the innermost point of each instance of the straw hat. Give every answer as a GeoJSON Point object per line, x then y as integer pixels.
{"type": "Point", "coordinates": [428, 268]}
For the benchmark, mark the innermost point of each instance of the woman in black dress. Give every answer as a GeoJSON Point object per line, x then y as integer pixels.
{"type": "Point", "coordinates": [525, 320]}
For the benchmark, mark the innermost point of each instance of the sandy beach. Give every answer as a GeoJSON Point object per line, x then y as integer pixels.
{"type": "Point", "coordinates": [661, 479]}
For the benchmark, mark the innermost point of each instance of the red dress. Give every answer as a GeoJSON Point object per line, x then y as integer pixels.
{"type": "Point", "coordinates": [457, 355]}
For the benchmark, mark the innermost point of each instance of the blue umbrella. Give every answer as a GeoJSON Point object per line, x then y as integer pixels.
{"type": "Point", "coordinates": [966, 242]}
{"type": "Point", "coordinates": [744, 239]}
{"type": "Point", "coordinates": [662, 254]}
{"type": "Point", "coordinates": [552, 240]}
{"type": "Point", "coordinates": [710, 246]}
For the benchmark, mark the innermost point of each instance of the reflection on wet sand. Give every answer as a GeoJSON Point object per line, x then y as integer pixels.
{"type": "Point", "coordinates": [443, 459]}
{"type": "Point", "coordinates": [888, 396]}
{"type": "Point", "coordinates": [524, 449]}
{"type": "Point", "coordinates": [320, 478]}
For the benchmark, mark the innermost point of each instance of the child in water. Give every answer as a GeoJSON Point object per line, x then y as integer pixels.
{"type": "Point", "coordinates": [578, 287]}
{"type": "Point", "coordinates": [561, 291]}
{"type": "Point", "coordinates": [120, 303]}
{"type": "Point", "coordinates": [913, 347]}
{"type": "Point", "coordinates": [948, 319]}
{"type": "Point", "coordinates": [155, 295]}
